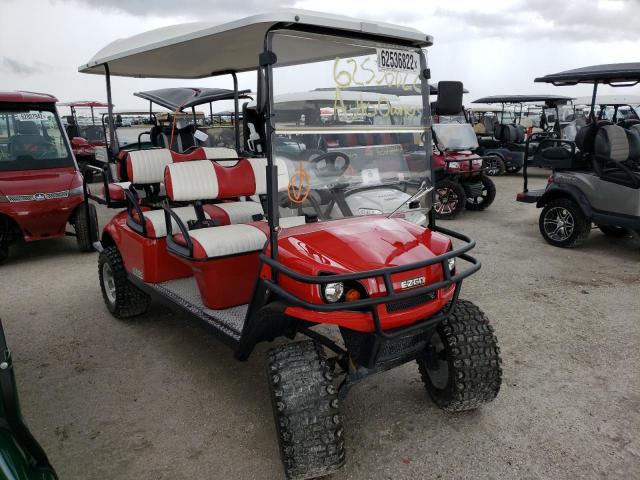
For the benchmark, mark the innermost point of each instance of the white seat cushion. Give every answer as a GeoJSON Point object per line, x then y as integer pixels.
{"type": "Point", "coordinates": [147, 166]}
{"type": "Point", "coordinates": [228, 240]}
{"type": "Point", "coordinates": [159, 225]}
{"type": "Point", "coordinates": [217, 153]}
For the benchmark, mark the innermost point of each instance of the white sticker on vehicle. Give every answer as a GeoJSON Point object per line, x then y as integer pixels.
{"type": "Point", "coordinates": [370, 176]}
{"type": "Point", "coordinates": [24, 116]}
{"type": "Point", "coordinates": [398, 60]}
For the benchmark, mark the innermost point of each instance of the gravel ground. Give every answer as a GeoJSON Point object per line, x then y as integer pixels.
{"type": "Point", "coordinates": [158, 398]}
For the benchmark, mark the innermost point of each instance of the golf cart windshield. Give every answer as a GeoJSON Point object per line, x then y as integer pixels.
{"type": "Point", "coordinates": [455, 136]}
{"type": "Point", "coordinates": [32, 139]}
{"type": "Point", "coordinates": [335, 139]}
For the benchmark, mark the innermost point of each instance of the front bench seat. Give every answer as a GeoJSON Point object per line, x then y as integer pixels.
{"type": "Point", "coordinates": [224, 259]}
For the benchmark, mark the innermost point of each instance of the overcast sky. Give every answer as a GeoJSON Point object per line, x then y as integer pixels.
{"type": "Point", "coordinates": [494, 47]}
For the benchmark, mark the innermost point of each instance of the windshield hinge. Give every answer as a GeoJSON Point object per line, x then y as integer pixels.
{"type": "Point", "coordinates": [267, 58]}
{"type": "Point", "coordinates": [426, 73]}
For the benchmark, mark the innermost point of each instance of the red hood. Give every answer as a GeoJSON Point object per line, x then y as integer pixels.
{"type": "Point", "coordinates": [38, 181]}
{"type": "Point", "coordinates": [357, 244]}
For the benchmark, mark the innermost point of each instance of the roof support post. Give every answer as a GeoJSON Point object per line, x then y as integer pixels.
{"type": "Point", "coordinates": [236, 122]}
{"type": "Point", "coordinates": [592, 114]}
{"type": "Point", "coordinates": [265, 98]}
{"type": "Point", "coordinates": [112, 131]}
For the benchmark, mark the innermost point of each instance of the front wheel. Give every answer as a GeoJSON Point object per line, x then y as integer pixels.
{"type": "Point", "coordinates": [461, 369]}
{"type": "Point", "coordinates": [86, 226]}
{"type": "Point", "coordinates": [494, 166]}
{"type": "Point", "coordinates": [123, 298]}
{"type": "Point", "coordinates": [562, 223]}
{"type": "Point", "coordinates": [450, 198]}
{"type": "Point", "coordinates": [306, 410]}
{"type": "Point", "coordinates": [479, 199]}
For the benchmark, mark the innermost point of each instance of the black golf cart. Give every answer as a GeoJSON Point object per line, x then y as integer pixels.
{"type": "Point", "coordinates": [596, 178]}
{"type": "Point", "coordinates": [389, 288]}
{"type": "Point", "coordinates": [507, 145]}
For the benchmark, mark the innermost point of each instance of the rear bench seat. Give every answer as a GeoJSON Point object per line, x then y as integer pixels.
{"type": "Point", "coordinates": [224, 258]}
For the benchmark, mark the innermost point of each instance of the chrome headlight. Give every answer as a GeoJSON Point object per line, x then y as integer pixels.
{"type": "Point", "coordinates": [477, 163]}
{"type": "Point", "coordinates": [453, 165]}
{"type": "Point", "coordinates": [333, 292]}
{"type": "Point", "coordinates": [3, 198]}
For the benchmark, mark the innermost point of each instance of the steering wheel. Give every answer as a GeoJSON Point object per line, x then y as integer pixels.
{"type": "Point", "coordinates": [329, 164]}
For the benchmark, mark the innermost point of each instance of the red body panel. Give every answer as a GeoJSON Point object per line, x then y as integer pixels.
{"type": "Point", "coordinates": [227, 281]}
{"type": "Point", "coordinates": [147, 258]}
{"type": "Point", "coordinates": [46, 218]}
{"type": "Point", "coordinates": [349, 245]}
{"type": "Point", "coordinates": [26, 97]}
{"type": "Point", "coordinates": [466, 168]}
{"type": "Point", "coordinates": [355, 245]}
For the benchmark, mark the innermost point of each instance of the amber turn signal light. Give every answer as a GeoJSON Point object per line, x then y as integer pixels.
{"type": "Point", "coordinates": [352, 295]}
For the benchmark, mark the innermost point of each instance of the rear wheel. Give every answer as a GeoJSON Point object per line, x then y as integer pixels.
{"type": "Point", "coordinates": [612, 231]}
{"type": "Point", "coordinates": [123, 299]}
{"type": "Point", "coordinates": [450, 198]}
{"type": "Point", "coordinates": [462, 368]}
{"type": "Point", "coordinates": [562, 223]}
{"type": "Point", "coordinates": [86, 227]}
{"type": "Point", "coordinates": [494, 166]}
{"type": "Point", "coordinates": [306, 410]}
{"type": "Point", "coordinates": [482, 199]}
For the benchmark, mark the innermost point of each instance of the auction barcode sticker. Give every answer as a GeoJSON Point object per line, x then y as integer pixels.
{"type": "Point", "coordinates": [398, 60]}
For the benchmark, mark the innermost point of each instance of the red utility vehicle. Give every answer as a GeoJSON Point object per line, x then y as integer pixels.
{"type": "Point", "coordinates": [460, 175]}
{"type": "Point", "coordinates": [41, 189]}
{"type": "Point", "coordinates": [230, 244]}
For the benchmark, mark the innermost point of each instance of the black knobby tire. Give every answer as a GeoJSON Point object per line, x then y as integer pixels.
{"type": "Point", "coordinates": [487, 197]}
{"type": "Point", "coordinates": [494, 166]}
{"type": "Point", "coordinates": [450, 199]}
{"type": "Point", "coordinates": [464, 371]}
{"type": "Point", "coordinates": [562, 223]}
{"type": "Point", "coordinates": [613, 231]}
{"type": "Point", "coordinates": [513, 169]}
{"type": "Point", "coordinates": [306, 410]}
{"type": "Point", "coordinates": [86, 228]}
{"type": "Point", "coordinates": [123, 299]}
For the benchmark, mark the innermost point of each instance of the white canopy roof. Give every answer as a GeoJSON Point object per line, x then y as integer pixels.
{"type": "Point", "coordinates": [196, 50]}
{"type": "Point", "coordinates": [609, 100]}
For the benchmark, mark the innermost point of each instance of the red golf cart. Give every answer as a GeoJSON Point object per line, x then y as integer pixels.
{"type": "Point", "coordinates": [41, 189]}
{"type": "Point", "coordinates": [85, 132]}
{"type": "Point", "coordinates": [389, 288]}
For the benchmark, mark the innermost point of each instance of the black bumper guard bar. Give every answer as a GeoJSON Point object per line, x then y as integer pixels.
{"type": "Point", "coordinates": [370, 304]}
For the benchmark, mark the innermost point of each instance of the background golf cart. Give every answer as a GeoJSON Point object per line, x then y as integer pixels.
{"type": "Point", "coordinates": [22, 456]}
{"type": "Point", "coordinates": [84, 131]}
{"type": "Point", "coordinates": [508, 143]}
{"type": "Point", "coordinates": [596, 178]}
{"type": "Point", "coordinates": [182, 130]}
{"type": "Point", "coordinates": [40, 186]}
{"type": "Point", "coordinates": [290, 44]}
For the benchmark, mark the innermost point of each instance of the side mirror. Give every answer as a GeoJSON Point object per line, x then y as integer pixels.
{"type": "Point", "coordinates": [78, 142]}
{"type": "Point", "coordinates": [449, 98]}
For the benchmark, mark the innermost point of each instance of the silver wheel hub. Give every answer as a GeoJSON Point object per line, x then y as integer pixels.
{"type": "Point", "coordinates": [559, 224]}
{"type": "Point", "coordinates": [109, 283]}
